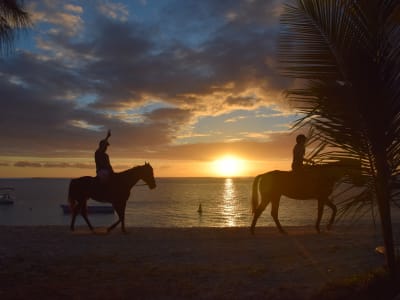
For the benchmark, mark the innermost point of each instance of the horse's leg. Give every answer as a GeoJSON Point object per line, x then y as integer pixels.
{"type": "Point", "coordinates": [334, 210]}
{"type": "Point", "coordinates": [84, 214]}
{"type": "Point", "coordinates": [261, 207]}
{"type": "Point", "coordinates": [122, 216]}
{"type": "Point", "coordinates": [321, 202]}
{"type": "Point", "coordinates": [274, 212]}
{"type": "Point", "coordinates": [74, 211]}
{"type": "Point", "coordinates": [118, 210]}
{"type": "Point", "coordinates": [113, 225]}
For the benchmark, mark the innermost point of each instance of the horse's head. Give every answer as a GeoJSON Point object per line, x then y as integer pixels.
{"type": "Point", "coordinates": [148, 176]}
{"type": "Point", "coordinates": [352, 168]}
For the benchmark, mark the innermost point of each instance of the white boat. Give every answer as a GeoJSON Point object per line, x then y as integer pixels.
{"type": "Point", "coordinates": [91, 209]}
{"type": "Point", "coordinates": [7, 195]}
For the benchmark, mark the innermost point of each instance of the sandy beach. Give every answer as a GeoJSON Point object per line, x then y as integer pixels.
{"type": "Point", "coordinates": [181, 263]}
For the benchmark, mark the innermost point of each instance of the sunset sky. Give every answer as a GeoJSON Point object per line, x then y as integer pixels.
{"type": "Point", "coordinates": [190, 86]}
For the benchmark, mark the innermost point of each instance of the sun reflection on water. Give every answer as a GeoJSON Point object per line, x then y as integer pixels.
{"type": "Point", "coordinates": [229, 199]}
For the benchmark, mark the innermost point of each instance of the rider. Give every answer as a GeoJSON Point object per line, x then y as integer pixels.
{"type": "Point", "coordinates": [103, 166]}
{"type": "Point", "coordinates": [298, 153]}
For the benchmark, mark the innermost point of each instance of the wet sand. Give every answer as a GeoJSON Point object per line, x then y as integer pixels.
{"type": "Point", "coordinates": [180, 263]}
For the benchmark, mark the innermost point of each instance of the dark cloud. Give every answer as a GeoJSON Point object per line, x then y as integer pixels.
{"type": "Point", "coordinates": [245, 101]}
{"type": "Point", "coordinates": [68, 165]}
{"type": "Point", "coordinates": [27, 164]}
{"type": "Point", "coordinates": [31, 164]}
{"type": "Point", "coordinates": [134, 60]}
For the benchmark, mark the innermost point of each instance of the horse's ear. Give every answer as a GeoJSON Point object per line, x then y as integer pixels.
{"type": "Point", "coordinates": [146, 163]}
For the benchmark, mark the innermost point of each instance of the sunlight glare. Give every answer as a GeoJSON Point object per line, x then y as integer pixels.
{"type": "Point", "coordinates": [228, 166]}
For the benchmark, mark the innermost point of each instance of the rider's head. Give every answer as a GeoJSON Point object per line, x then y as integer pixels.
{"type": "Point", "coordinates": [301, 139]}
{"type": "Point", "coordinates": [103, 145]}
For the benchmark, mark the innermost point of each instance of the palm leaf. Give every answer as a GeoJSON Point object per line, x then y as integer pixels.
{"type": "Point", "coordinates": [347, 54]}
{"type": "Point", "coordinates": [12, 19]}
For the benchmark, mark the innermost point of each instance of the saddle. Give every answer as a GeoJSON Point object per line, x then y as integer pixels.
{"type": "Point", "coordinates": [305, 178]}
{"type": "Point", "coordinates": [101, 190]}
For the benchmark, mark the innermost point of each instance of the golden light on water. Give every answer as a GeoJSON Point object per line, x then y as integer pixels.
{"type": "Point", "coordinates": [228, 166]}
{"type": "Point", "coordinates": [229, 208]}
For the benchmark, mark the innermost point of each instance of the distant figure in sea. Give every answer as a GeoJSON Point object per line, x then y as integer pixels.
{"type": "Point", "coordinates": [103, 165]}
{"type": "Point", "coordinates": [299, 151]}
{"type": "Point", "coordinates": [200, 210]}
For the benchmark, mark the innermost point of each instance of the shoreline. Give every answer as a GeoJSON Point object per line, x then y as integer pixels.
{"type": "Point", "coordinates": [176, 263]}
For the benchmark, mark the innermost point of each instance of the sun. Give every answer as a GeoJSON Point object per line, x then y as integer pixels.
{"type": "Point", "coordinates": [228, 166]}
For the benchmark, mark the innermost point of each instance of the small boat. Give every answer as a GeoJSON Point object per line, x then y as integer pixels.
{"type": "Point", "coordinates": [92, 209]}
{"type": "Point", "coordinates": [6, 195]}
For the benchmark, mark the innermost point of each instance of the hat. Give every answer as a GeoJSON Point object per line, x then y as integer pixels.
{"type": "Point", "coordinates": [300, 138]}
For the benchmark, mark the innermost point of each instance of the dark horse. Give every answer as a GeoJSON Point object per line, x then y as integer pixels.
{"type": "Point", "coordinates": [116, 191]}
{"type": "Point", "coordinates": [314, 182]}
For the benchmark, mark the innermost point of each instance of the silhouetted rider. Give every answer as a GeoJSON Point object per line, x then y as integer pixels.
{"type": "Point", "coordinates": [298, 153]}
{"type": "Point", "coordinates": [103, 165]}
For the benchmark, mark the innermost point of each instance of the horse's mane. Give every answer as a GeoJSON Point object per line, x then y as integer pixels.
{"type": "Point", "coordinates": [128, 171]}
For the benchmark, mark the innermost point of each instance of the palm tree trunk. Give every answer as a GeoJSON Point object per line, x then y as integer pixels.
{"type": "Point", "coordinates": [383, 198]}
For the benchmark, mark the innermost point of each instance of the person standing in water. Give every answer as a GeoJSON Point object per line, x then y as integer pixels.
{"type": "Point", "coordinates": [104, 169]}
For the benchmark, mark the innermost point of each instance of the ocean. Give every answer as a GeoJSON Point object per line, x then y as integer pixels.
{"type": "Point", "coordinates": [174, 203]}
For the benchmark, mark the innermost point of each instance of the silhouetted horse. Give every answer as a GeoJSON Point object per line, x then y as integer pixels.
{"type": "Point", "coordinates": [316, 182]}
{"type": "Point", "coordinates": [116, 192]}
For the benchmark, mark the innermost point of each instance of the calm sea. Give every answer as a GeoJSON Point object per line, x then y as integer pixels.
{"type": "Point", "coordinates": [174, 203]}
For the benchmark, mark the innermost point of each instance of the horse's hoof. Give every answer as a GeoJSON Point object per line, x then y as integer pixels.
{"type": "Point", "coordinates": [252, 231]}
{"type": "Point", "coordinates": [282, 231]}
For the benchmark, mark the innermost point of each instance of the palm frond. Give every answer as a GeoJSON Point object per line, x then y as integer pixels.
{"type": "Point", "coordinates": [13, 18]}
{"type": "Point", "coordinates": [348, 54]}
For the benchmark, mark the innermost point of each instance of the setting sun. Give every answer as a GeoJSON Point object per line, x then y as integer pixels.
{"type": "Point", "coordinates": [228, 166]}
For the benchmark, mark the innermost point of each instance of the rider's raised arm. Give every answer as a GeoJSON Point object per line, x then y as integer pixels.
{"type": "Point", "coordinates": [108, 135]}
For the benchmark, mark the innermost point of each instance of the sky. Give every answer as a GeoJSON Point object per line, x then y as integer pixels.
{"type": "Point", "coordinates": [190, 86]}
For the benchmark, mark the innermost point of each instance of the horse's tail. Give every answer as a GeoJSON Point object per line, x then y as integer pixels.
{"type": "Point", "coordinates": [254, 196]}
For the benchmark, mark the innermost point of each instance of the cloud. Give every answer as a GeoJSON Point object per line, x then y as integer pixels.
{"type": "Point", "coordinates": [73, 8]}
{"type": "Point", "coordinates": [113, 10]}
{"type": "Point", "coordinates": [242, 101]}
{"type": "Point", "coordinates": [278, 147]}
{"type": "Point", "coordinates": [64, 18]}
{"type": "Point", "coordinates": [27, 164]}
{"type": "Point", "coordinates": [194, 58]}
{"type": "Point", "coordinates": [52, 164]}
